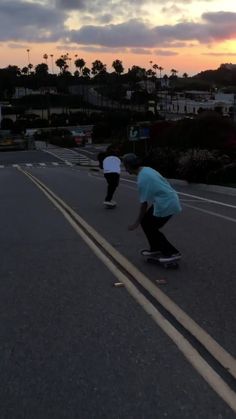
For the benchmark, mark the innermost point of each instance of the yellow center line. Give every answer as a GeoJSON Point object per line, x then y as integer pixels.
{"type": "Point", "coordinates": [91, 237]}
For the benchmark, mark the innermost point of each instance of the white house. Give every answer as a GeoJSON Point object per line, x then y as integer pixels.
{"type": "Point", "coordinates": [192, 103]}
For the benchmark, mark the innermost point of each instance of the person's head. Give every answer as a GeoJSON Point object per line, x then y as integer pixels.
{"type": "Point", "coordinates": [113, 150]}
{"type": "Point", "coordinates": [132, 163]}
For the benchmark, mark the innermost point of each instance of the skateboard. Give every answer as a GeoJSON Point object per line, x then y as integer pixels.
{"type": "Point", "coordinates": [174, 264]}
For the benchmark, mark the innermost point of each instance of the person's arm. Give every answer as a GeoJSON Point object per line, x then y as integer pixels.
{"type": "Point", "coordinates": [142, 211]}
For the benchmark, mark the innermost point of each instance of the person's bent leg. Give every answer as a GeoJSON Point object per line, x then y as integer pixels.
{"type": "Point", "coordinates": [157, 240]}
{"type": "Point", "coordinates": [112, 185]}
{"type": "Point", "coordinates": [109, 194]}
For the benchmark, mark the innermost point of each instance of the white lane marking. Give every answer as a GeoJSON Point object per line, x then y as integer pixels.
{"type": "Point", "coordinates": [184, 202]}
{"type": "Point", "coordinates": [203, 368]}
{"type": "Point", "coordinates": [55, 163]}
{"type": "Point", "coordinates": [88, 152]}
{"type": "Point", "coordinates": [1, 166]}
{"type": "Point", "coordinates": [42, 164]}
{"type": "Point", "coordinates": [212, 201]}
{"type": "Point", "coordinates": [210, 212]}
{"type": "Point", "coordinates": [212, 346]}
{"type": "Point", "coordinates": [194, 196]}
{"type": "Point", "coordinates": [29, 164]}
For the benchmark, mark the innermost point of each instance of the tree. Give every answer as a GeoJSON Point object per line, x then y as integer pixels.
{"type": "Point", "coordinates": [13, 70]}
{"type": "Point", "coordinates": [24, 70]}
{"type": "Point", "coordinates": [30, 66]}
{"type": "Point", "coordinates": [62, 64]}
{"type": "Point", "coordinates": [173, 73]}
{"type": "Point", "coordinates": [80, 63]}
{"type": "Point", "coordinates": [137, 72]}
{"type": "Point", "coordinates": [46, 58]}
{"type": "Point", "coordinates": [156, 67]}
{"type": "Point", "coordinates": [41, 70]}
{"type": "Point", "coordinates": [98, 67]}
{"type": "Point", "coordinates": [150, 73]}
{"type": "Point", "coordinates": [86, 72]}
{"type": "Point", "coordinates": [185, 75]}
{"type": "Point", "coordinates": [118, 67]}
{"type": "Point", "coordinates": [160, 70]}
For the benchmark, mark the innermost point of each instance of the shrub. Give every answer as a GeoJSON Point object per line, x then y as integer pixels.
{"type": "Point", "coordinates": [195, 165]}
{"type": "Point", "coordinates": [164, 160]}
{"type": "Point", "coordinates": [225, 175]}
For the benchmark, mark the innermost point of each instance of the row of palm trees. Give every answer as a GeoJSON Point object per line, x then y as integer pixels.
{"type": "Point", "coordinates": [64, 64]}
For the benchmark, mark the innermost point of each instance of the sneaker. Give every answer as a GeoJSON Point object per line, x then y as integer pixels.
{"type": "Point", "coordinates": [109, 204]}
{"type": "Point", "coordinates": [147, 253]}
{"type": "Point", "coordinates": [171, 258]}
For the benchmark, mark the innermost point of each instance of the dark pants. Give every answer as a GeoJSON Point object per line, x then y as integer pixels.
{"type": "Point", "coordinates": [112, 183]}
{"type": "Point", "coordinates": [151, 225]}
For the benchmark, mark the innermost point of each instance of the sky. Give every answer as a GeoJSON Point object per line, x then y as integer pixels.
{"type": "Point", "coordinates": [186, 35]}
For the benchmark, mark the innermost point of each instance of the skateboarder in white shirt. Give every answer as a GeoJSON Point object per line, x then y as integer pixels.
{"type": "Point", "coordinates": [111, 170]}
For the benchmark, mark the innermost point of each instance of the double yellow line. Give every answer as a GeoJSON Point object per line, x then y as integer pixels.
{"type": "Point", "coordinates": [129, 275]}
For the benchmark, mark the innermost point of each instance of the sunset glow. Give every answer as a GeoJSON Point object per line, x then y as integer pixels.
{"type": "Point", "coordinates": [189, 36]}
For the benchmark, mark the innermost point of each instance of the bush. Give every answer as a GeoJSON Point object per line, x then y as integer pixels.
{"type": "Point", "coordinates": [225, 175]}
{"type": "Point", "coordinates": [164, 160]}
{"type": "Point", "coordinates": [195, 165]}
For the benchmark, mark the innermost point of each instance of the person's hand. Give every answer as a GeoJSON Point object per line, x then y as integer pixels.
{"type": "Point", "coordinates": [133, 226]}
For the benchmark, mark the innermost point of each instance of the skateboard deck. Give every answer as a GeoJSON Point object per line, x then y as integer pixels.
{"type": "Point", "coordinates": [174, 264]}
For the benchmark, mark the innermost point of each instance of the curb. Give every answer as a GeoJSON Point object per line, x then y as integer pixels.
{"type": "Point", "coordinates": [203, 187]}
{"type": "Point", "coordinates": [198, 186]}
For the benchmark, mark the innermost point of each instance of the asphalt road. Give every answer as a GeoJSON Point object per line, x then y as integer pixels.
{"type": "Point", "coordinates": [73, 345]}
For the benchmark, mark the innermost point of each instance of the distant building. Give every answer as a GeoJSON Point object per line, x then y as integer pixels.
{"type": "Point", "coordinates": [147, 85]}
{"type": "Point", "coordinates": [24, 91]}
{"type": "Point", "coordinates": [193, 103]}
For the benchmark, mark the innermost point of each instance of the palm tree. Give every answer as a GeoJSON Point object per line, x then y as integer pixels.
{"type": "Point", "coordinates": [80, 63]}
{"type": "Point", "coordinates": [62, 64]}
{"type": "Point", "coordinates": [28, 53]}
{"type": "Point", "coordinates": [45, 56]}
{"type": "Point", "coordinates": [160, 69]}
{"type": "Point", "coordinates": [30, 66]}
{"type": "Point", "coordinates": [51, 55]}
{"type": "Point", "coordinates": [155, 66]}
{"type": "Point", "coordinates": [173, 72]}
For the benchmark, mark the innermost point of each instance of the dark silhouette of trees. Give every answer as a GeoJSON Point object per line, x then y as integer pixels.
{"type": "Point", "coordinates": [80, 63]}
{"type": "Point", "coordinates": [118, 67]}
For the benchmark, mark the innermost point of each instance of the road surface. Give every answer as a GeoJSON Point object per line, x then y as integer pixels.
{"type": "Point", "coordinates": [76, 345]}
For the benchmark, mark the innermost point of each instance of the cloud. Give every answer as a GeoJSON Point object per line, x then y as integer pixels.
{"type": "Point", "coordinates": [165, 53]}
{"type": "Point", "coordinates": [132, 33]}
{"type": "Point", "coordinates": [70, 4]}
{"type": "Point", "coordinates": [220, 54]}
{"type": "Point", "coordinates": [24, 21]}
{"type": "Point", "coordinates": [140, 51]}
{"type": "Point", "coordinates": [17, 46]}
{"type": "Point", "coordinates": [137, 33]}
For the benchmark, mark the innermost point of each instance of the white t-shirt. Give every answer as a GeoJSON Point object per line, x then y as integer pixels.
{"type": "Point", "coordinates": [111, 164]}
